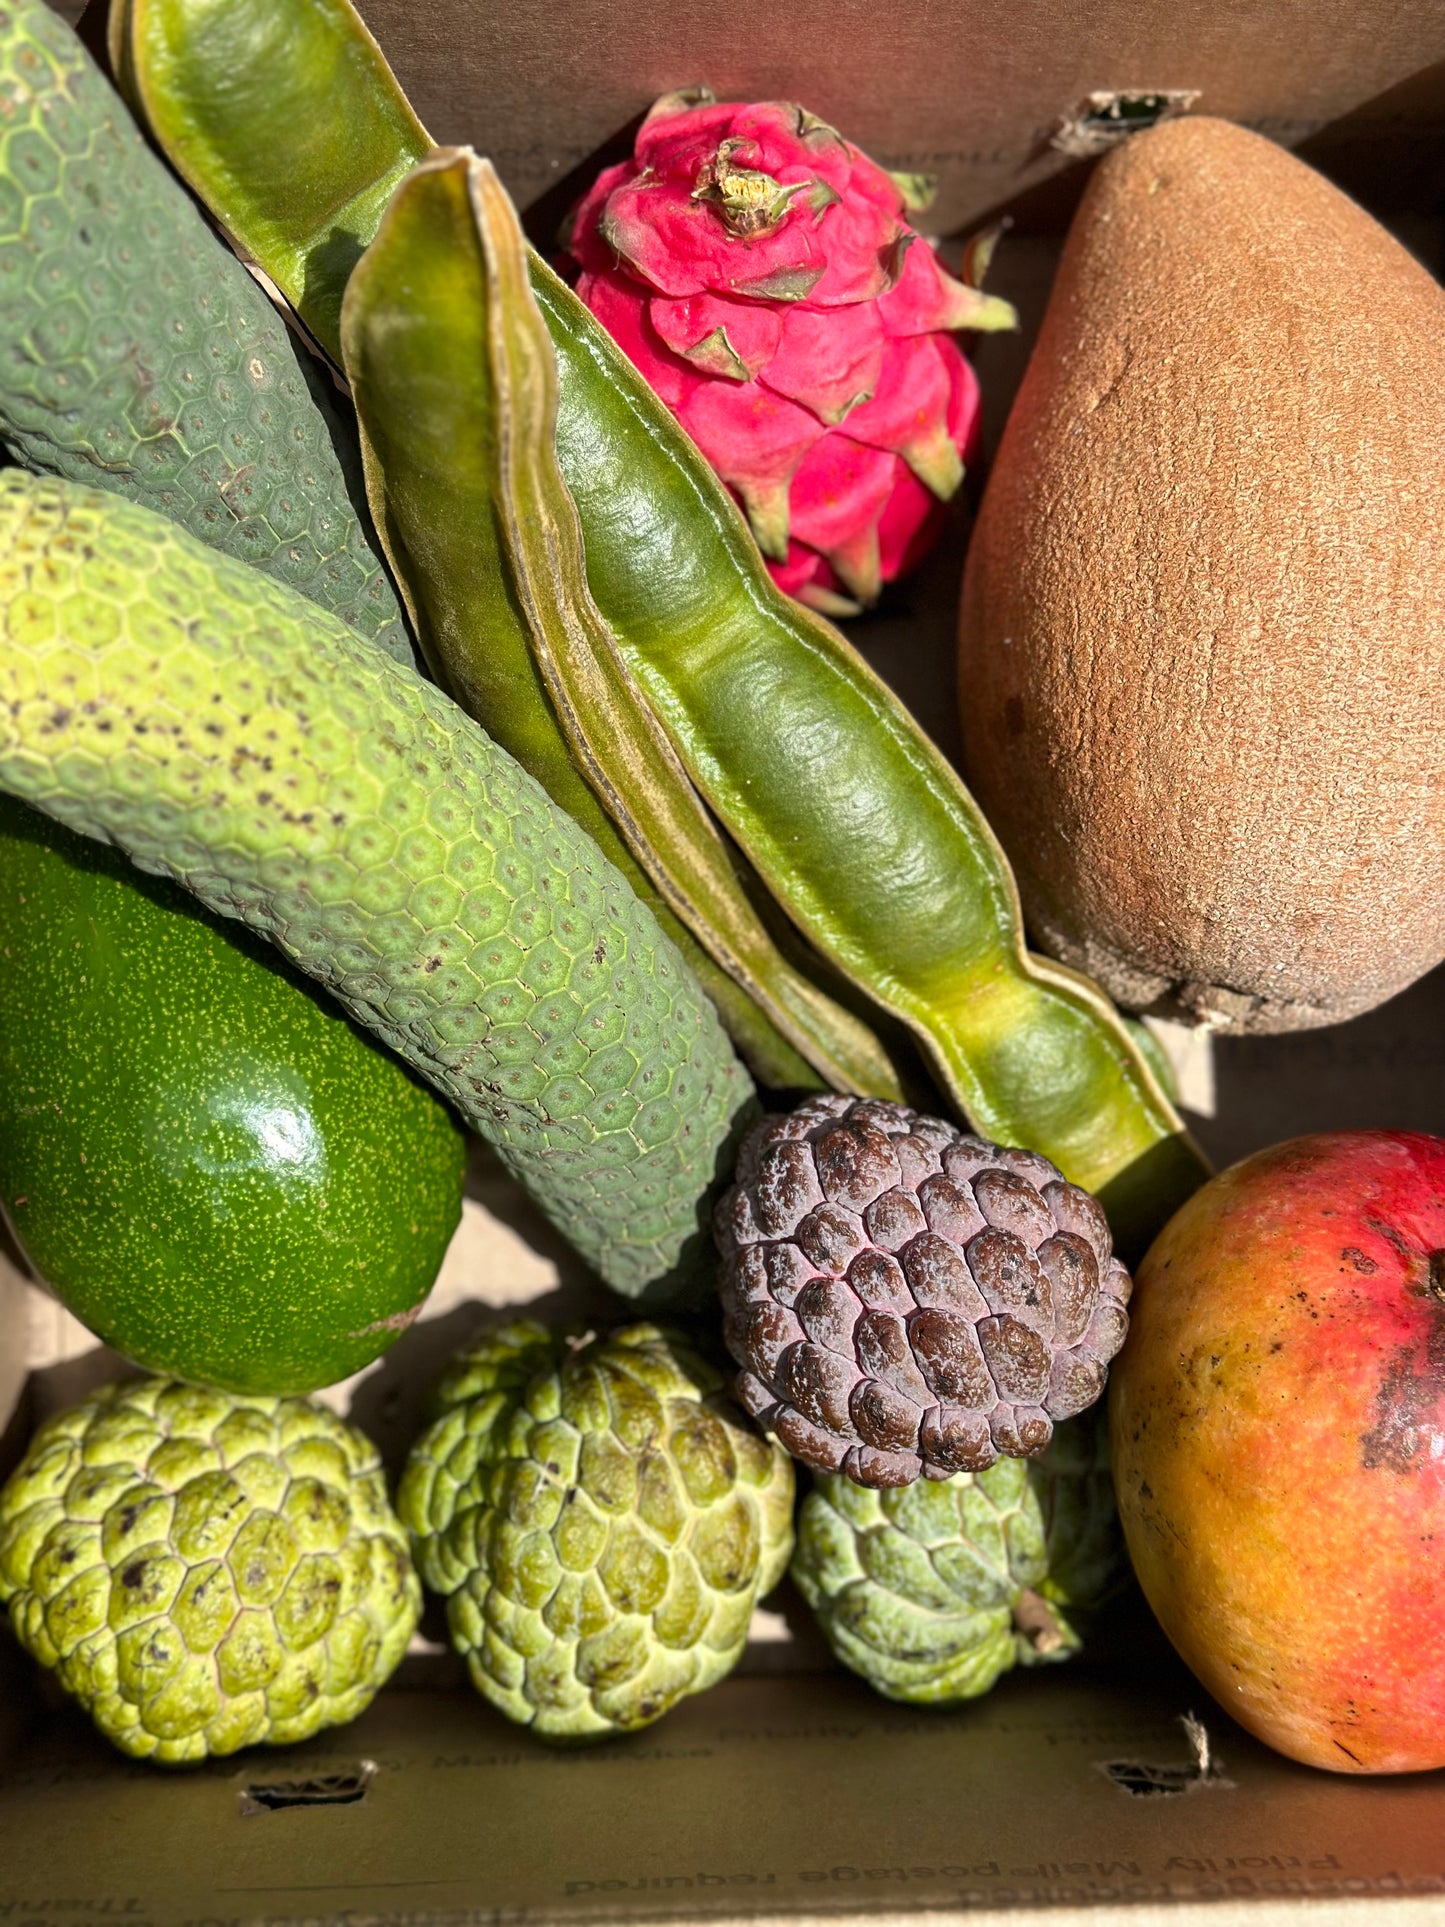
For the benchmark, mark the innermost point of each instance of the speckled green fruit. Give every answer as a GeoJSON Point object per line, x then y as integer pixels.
{"type": "Point", "coordinates": [204, 1572]}
{"type": "Point", "coordinates": [218, 1173]}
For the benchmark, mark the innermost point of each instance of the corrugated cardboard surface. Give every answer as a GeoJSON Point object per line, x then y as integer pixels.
{"type": "Point", "coordinates": [968, 92]}
{"type": "Point", "coordinates": [763, 1800]}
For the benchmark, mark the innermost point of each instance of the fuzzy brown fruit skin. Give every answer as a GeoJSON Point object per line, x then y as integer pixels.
{"type": "Point", "coordinates": [1277, 1422]}
{"type": "Point", "coordinates": [1203, 620]}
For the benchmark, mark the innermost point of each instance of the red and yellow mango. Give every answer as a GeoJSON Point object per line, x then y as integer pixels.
{"type": "Point", "coordinates": [1278, 1432]}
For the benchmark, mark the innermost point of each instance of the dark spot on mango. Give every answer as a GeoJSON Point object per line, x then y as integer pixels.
{"type": "Point", "coordinates": [1409, 1423]}
{"type": "Point", "coordinates": [1354, 1256]}
{"type": "Point", "coordinates": [1394, 1238]}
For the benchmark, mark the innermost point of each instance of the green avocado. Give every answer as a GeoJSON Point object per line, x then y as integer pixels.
{"type": "Point", "coordinates": [212, 1167]}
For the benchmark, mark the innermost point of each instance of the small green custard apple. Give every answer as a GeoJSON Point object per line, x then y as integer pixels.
{"type": "Point", "coordinates": [204, 1571]}
{"type": "Point", "coordinates": [601, 1520]}
{"type": "Point", "coordinates": [931, 1591]}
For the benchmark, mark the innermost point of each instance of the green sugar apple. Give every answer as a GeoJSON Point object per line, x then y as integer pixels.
{"type": "Point", "coordinates": [931, 1591]}
{"type": "Point", "coordinates": [601, 1521]}
{"type": "Point", "coordinates": [204, 1571]}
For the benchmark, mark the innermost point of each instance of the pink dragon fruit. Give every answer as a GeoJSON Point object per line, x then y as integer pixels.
{"type": "Point", "coordinates": [761, 273]}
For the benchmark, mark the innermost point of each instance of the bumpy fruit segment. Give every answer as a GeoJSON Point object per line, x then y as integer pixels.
{"type": "Point", "coordinates": [137, 354]}
{"type": "Point", "coordinates": [205, 1572]}
{"type": "Point", "coordinates": [601, 1520]}
{"type": "Point", "coordinates": [905, 1299]}
{"type": "Point", "coordinates": [932, 1592]}
{"type": "Point", "coordinates": [226, 733]}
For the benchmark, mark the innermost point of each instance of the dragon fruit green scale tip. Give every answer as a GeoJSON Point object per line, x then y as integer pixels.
{"type": "Point", "coordinates": [761, 272]}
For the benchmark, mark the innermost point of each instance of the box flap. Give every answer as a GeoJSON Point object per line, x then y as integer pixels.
{"type": "Point", "coordinates": [809, 1799]}
{"type": "Point", "coordinates": [971, 95]}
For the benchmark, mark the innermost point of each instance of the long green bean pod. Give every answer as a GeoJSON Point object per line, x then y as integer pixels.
{"type": "Point", "coordinates": [856, 822]}
{"type": "Point", "coordinates": [454, 379]}
{"type": "Point", "coordinates": [231, 93]}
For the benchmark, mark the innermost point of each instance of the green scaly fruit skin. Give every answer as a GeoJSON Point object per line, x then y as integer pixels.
{"type": "Point", "coordinates": [137, 354]}
{"type": "Point", "coordinates": [205, 1572]}
{"type": "Point", "coordinates": [931, 1591]}
{"type": "Point", "coordinates": [228, 734]}
{"type": "Point", "coordinates": [601, 1521]}
{"type": "Point", "coordinates": [222, 1178]}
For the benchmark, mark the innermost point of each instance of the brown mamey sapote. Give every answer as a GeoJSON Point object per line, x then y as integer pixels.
{"type": "Point", "coordinates": [1278, 1439]}
{"type": "Point", "coordinates": [1202, 663]}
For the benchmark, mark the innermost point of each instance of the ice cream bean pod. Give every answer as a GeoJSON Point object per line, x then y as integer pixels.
{"type": "Point", "coordinates": [455, 382]}
{"type": "Point", "coordinates": [854, 820]}
{"type": "Point", "coordinates": [229, 735]}
{"type": "Point", "coordinates": [231, 89]}
{"type": "Point", "coordinates": [417, 391]}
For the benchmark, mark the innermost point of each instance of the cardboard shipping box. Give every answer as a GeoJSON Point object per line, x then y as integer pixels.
{"type": "Point", "coordinates": [790, 1792]}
